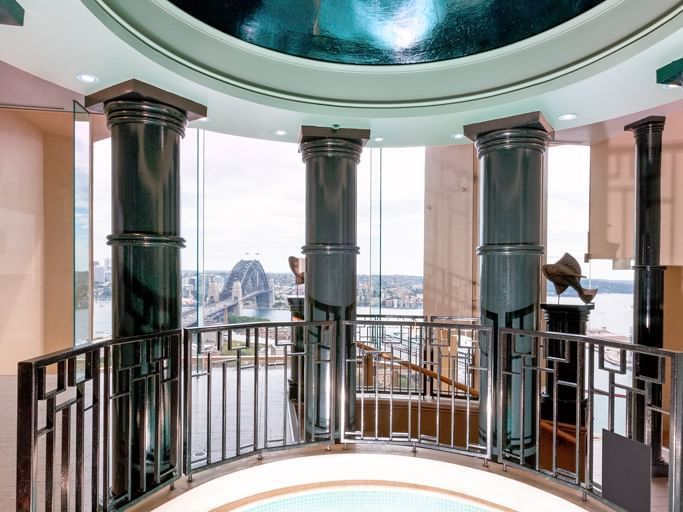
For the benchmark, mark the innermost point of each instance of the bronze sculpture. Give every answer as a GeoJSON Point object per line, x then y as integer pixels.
{"type": "Point", "coordinates": [566, 272]}
{"type": "Point", "coordinates": [295, 267]}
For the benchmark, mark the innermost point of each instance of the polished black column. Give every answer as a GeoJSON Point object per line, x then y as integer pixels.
{"type": "Point", "coordinates": [511, 165]}
{"type": "Point", "coordinates": [648, 300]}
{"type": "Point", "coordinates": [146, 126]}
{"type": "Point", "coordinates": [331, 158]}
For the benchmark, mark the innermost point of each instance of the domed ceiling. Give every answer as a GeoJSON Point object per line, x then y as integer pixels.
{"type": "Point", "coordinates": [599, 64]}
{"type": "Point", "coordinates": [383, 31]}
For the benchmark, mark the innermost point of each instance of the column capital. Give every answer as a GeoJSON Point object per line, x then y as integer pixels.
{"type": "Point", "coordinates": [135, 90]}
{"type": "Point", "coordinates": [308, 133]}
{"type": "Point", "coordinates": [649, 124]}
{"type": "Point", "coordinates": [325, 141]}
{"type": "Point", "coordinates": [529, 120]}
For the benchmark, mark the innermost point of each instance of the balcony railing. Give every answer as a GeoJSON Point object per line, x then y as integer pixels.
{"type": "Point", "coordinates": [66, 404]}
{"type": "Point", "coordinates": [596, 384]}
{"type": "Point", "coordinates": [417, 384]}
{"type": "Point", "coordinates": [102, 426]}
{"type": "Point", "coordinates": [248, 389]}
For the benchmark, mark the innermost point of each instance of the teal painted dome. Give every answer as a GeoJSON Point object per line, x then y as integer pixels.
{"type": "Point", "coordinates": [383, 32]}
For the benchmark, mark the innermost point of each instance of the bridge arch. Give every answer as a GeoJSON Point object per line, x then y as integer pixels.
{"type": "Point", "coordinates": [253, 281]}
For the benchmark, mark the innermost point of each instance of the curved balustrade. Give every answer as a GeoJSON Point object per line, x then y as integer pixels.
{"type": "Point", "coordinates": [224, 392]}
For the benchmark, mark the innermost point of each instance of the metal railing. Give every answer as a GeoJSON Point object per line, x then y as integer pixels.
{"type": "Point", "coordinates": [69, 402]}
{"type": "Point", "coordinates": [253, 387]}
{"type": "Point", "coordinates": [568, 388]}
{"type": "Point", "coordinates": [416, 384]}
{"type": "Point", "coordinates": [188, 401]}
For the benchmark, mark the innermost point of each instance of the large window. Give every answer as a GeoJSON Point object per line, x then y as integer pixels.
{"type": "Point", "coordinates": [568, 194]}
{"type": "Point", "coordinates": [243, 216]}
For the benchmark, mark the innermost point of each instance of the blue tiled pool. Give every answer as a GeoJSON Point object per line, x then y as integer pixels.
{"type": "Point", "coordinates": [365, 499]}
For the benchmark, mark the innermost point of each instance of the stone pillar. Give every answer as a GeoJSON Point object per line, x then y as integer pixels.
{"type": "Point", "coordinates": [648, 298]}
{"type": "Point", "coordinates": [146, 126]}
{"type": "Point", "coordinates": [511, 155]}
{"type": "Point", "coordinates": [331, 158]}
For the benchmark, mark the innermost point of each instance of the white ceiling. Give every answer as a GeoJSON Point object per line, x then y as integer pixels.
{"type": "Point", "coordinates": [600, 66]}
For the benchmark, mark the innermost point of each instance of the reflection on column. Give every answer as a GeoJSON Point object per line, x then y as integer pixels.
{"type": "Point", "coordinates": [146, 126]}
{"type": "Point", "coordinates": [511, 157]}
{"type": "Point", "coordinates": [331, 158]}
{"type": "Point", "coordinates": [648, 294]}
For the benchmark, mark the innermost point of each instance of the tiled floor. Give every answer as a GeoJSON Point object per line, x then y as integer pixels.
{"type": "Point", "coordinates": [8, 468]}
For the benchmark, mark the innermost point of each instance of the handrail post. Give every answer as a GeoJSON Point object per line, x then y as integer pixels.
{"type": "Point", "coordinates": [345, 390]}
{"type": "Point", "coordinates": [499, 392]}
{"type": "Point", "coordinates": [490, 413]}
{"type": "Point", "coordinates": [676, 435]}
{"type": "Point", "coordinates": [187, 404]}
{"type": "Point", "coordinates": [26, 423]}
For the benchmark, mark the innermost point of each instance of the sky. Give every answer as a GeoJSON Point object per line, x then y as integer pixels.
{"type": "Point", "coordinates": [254, 204]}
{"type": "Point", "coordinates": [568, 192]}
{"type": "Point", "coordinates": [254, 193]}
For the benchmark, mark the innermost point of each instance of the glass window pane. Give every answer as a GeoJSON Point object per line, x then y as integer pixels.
{"type": "Point", "coordinates": [82, 225]}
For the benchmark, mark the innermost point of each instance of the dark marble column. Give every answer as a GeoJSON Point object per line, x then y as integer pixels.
{"type": "Point", "coordinates": [648, 299]}
{"type": "Point", "coordinates": [146, 126]}
{"type": "Point", "coordinates": [511, 161]}
{"type": "Point", "coordinates": [331, 158]}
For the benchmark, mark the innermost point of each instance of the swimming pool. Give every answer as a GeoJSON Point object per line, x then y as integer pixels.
{"type": "Point", "coordinates": [365, 498]}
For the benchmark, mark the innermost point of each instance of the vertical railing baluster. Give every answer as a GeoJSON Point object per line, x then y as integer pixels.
{"type": "Point", "coordinates": [256, 389]}
{"type": "Point", "coordinates": [106, 409]}
{"type": "Point", "coordinates": [50, 423]}
{"type": "Point", "coordinates": [590, 406]}
{"type": "Point", "coordinates": [676, 435]}
{"type": "Point", "coordinates": [188, 338]}
{"type": "Point", "coordinates": [96, 422]}
{"type": "Point", "coordinates": [27, 425]}
{"type": "Point", "coordinates": [65, 458]}
{"type": "Point", "coordinates": [265, 393]}
{"type": "Point", "coordinates": [80, 459]}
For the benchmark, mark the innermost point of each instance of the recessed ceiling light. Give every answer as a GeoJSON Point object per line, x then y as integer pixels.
{"type": "Point", "coordinates": [88, 79]}
{"type": "Point", "coordinates": [567, 117]}
{"type": "Point", "coordinates": [280, 133]}
{"type": "Point", "coordinates": [378, 139]}
{"type": "Point", "coordinates": [457, 136]}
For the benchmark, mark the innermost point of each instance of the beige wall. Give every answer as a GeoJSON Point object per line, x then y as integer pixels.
{"type": "Point", "coordinates": [612, 201]}
{"type": "Point", "coordinates": [21, 241]}
{"type": "Point", "coordinates": [36, 215]}
{"type": "Point", "coordinates": [450, 264]}
{"type": "Point", "coordinates": [58, 256]}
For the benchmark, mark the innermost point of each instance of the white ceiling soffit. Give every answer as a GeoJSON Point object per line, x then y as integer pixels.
{"type": "Point", "coordinates": [600, 65]}
{"type": "Point", "coordinates": [615, 28]}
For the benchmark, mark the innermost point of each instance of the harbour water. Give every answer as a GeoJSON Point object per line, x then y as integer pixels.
{"type": "Point", "coordinates": [613, 315]}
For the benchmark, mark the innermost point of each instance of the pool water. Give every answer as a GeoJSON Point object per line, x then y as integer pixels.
{"type": "Point", "coordinates": [365, 499]}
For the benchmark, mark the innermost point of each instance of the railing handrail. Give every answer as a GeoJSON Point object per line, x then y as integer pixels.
{"type": "Point", "coordinates": [584, 338]}
{"type": "Point", "coordinates": [426, 323]}
{"type": "Point", "coordinates": [256, 325]}
{"type": "Point", "coordinates": [31, 368]}
{"type": "Point", "coordinates": [58, 355]}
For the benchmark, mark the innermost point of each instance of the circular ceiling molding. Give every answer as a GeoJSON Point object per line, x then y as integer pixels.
{"type": "Point", "coordinates": [590, 42]}
{"type": "Point", "coordinates": [383, 32]}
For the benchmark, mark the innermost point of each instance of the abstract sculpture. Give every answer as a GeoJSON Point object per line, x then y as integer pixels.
{"type": "Point", "coordinates": [295, 267]}
{"type": "Point", "coordinates": [566, 272]}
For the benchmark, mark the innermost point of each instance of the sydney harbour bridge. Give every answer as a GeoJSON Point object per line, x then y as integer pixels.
{"type": "Point", "coordinates": [245, 285]}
